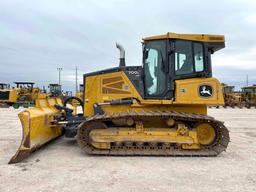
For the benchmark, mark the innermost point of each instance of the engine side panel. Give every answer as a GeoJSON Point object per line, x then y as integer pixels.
{"type": "Point", "coordinates": [105, 87]}
{"type": "Point", "coordinates": [207, 91]}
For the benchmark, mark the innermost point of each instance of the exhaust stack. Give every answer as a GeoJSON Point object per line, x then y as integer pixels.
{"type": "Point", "coordinates": [122, 55]}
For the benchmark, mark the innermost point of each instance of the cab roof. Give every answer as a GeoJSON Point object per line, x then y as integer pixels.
{"type": "Point", "coordinates": [249, 87]}
{"type": "Point", "coordinates": [54, 84]}
{"type": "Point", "coordinates": [192, 37]}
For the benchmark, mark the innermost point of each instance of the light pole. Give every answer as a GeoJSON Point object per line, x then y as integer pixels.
{"type": "Point", "coordinates": [76, 81]}
{"type": "Point", "coordinates": [59, 69]}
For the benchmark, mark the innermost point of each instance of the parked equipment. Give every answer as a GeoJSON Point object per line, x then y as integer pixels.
{"type": "Point", "coordinates": [232, 98]}
{"type": "Point", "coordinates": [244, 98]}
{"type": "Point", "coordinates": [7, 95]}
{"type": "Point", "coordinates": [24, 94]}
{"type": "Point", "coordinates": [249, 96]}
{"type": "Point", "coordinates": [55, 90]}
{"type": "Point", "coordinates": [159, 108]}
{"type": "Point", "coordinates": [27, 94]}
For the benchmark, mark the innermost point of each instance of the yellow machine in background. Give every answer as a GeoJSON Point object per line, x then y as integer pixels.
{"type": "Point", "coordinates": [8, 96]}
{"type": "Point", "coordinates": [244, 98]}
{"type": "Point", "coordinates": [232, 98]}
{"type": "Point", "coordinates": [54, 90]}
{"type": "Point", "coordinates": [159, 108]}
{"type": "Point", "coordinates": [24, 94]}
{"type": "Point", "coordinates": [27, 94]}
{"type": "Point", "coordinates": [249, 96]}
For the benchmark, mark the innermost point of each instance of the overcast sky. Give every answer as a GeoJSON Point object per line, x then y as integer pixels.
{"type": "Point", "coordinates": [36, 37]}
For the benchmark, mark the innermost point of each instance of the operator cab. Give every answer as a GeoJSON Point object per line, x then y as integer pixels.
{"type": "Point", "coordinates": [55, 90]}
{"type": "Point", "coordinates": [25, 85]}
{"type": "Point", "coordinates": [170, 57]}
{"type": "Point", "coordinates": [4, 86]}
{"type": "Point", "coordinates": [81, 87]}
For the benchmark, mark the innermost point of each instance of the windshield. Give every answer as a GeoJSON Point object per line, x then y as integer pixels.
{"type": "Point", "coordinates": [55, 89]}
{"type": "Point", "coordinates": [154, 59]}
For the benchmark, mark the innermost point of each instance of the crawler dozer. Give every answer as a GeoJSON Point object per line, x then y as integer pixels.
{"type": "Point", "coordinates": [232, 98]}
{"type": "Point", "coordinates": [159, 108]}
{"type": "Point", "coordinates": [249, 96]}
{"type": "Point", "coordinates": [54, 90]}
{"type": "Point", "coordinates": [24, 94]}
{"type": "Point", "coordinates": [27, 94]}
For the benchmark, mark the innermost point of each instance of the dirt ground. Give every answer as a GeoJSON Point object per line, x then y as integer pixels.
{"type": "Point", "coordinates": [62, 166]}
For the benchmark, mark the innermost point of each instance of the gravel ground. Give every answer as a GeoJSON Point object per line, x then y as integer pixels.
{"type": "Point", "coordinates": [61, 166]}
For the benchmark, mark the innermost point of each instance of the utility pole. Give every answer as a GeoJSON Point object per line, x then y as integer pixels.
{"type": "Point", "coordinates": [59, 69]}
{"type": "Point", "coordinates": [76, 81]}
{"type": "Point", "coordinates": [247, 81]}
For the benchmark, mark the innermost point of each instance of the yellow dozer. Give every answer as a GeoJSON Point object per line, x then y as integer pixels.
{"type": "Point", "coordinates": [55, 90]}
{"type": "Point", "coordinates": [24, 94]}
{"type": "Point", "coordinates": [8, 95]}
{"type": "Point", "coordinates": [159, 108]}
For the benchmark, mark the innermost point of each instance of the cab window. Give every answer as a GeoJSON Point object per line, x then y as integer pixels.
{"type": "Point", "coordinates": [154, 59]}
{"type": "Point", "coordinates": [198, 57]}
{"type": "Point", "coordinates": [188, 57]}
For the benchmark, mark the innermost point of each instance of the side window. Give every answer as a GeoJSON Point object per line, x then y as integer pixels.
{"type": "Point", "coordinates": [188, 57]}
{"type": "Point", "coordinates": [155, 77]}
{"type": "Point", "coordinates": [151, 62]}
{"type": "Point", "coordinates": [198, 57]}
{"type": "Point", "coordinates": [183, 57]}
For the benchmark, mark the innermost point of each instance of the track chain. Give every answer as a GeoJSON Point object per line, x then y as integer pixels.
{"type": "Point", "coordinates": [97, 121]}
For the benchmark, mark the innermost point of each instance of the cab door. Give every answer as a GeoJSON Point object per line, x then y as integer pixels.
{"type": "Point", "coordinates": [157, 83]}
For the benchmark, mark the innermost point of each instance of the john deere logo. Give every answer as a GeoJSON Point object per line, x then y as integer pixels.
{"type": "Point", "coordinates": [205, 90]}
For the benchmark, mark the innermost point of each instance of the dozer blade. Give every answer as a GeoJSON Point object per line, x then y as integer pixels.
{"type": "Point", "coordinates": [39, 127]}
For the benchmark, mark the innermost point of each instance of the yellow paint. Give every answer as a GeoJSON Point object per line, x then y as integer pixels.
{"type": "Point", "coordinates": [94, 90]}
{"type": "Point", "coordinates": [79, 94]}
{"type": "Point", "coordinates": [16, 93]}
{"type": "Point", "coordinates": [188, 101]}
{"type": "Point", "coordinates": [13, 96]}
{"type": "Point", "coordinates": [206, 133]}
{"type": "Point", "coordinates": [157, 135]}
{"type": "Point", "coordinates": [187, 92]}
{"type": "Point", "coordinates": [192, 37]}
{"type": "Point", "coordinates": [38, 125]}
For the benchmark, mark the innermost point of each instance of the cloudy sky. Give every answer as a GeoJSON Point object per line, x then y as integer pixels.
{"type": "Point", "coordinates": [36, 37]}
